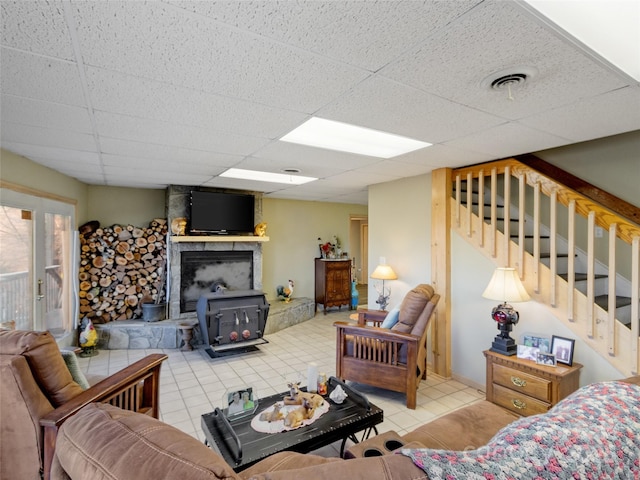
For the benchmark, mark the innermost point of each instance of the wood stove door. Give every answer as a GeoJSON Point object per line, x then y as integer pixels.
{"type": "Point", "coordinates": [237, 324]}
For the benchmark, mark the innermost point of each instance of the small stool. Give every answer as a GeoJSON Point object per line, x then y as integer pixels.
{"type": "Point", "coordinates": [377, 446]}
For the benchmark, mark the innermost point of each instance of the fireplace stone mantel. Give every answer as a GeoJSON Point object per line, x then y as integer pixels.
{"type": "Point", "coordinates": [218, 238]}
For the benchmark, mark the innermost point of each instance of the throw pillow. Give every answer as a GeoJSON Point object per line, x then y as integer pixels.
{"type": "Point", "coordinates": [392, 318]}
{"type": "Point", "coordinates": [74, 368]}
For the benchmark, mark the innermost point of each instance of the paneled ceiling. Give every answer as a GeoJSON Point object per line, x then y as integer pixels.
{"type": "Point", "coordinates": [150, 93]}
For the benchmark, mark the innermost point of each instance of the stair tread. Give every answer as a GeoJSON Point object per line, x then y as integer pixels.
{"type": "Point", "coordinates": [603, 301]}
{"type": "Point", "coordinates": [530, 236]}
{"type": "Point", "coordinates": [581, 277]}
{"type": "Point", "coordinates": [502, 219]}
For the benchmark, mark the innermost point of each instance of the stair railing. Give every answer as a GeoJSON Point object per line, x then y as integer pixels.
{"type": "Point", "coordinates": [617, 343]}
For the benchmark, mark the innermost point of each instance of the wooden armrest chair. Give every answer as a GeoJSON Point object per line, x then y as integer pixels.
{"type": "Point", "coordinates": [394, 359]}
{"type": "Point", "coordinates": [39, 394]}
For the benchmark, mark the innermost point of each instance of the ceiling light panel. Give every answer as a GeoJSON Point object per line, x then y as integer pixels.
{"type": "Point", "coordinates": [266, 176]}
{"type": "Point", "coordinates": [322, 133]}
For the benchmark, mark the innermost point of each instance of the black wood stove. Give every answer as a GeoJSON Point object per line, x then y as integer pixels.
{"type": "Point", "coordinates": [232, 320]}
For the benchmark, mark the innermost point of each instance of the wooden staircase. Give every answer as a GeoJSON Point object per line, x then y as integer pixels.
{"type": "Point", "coordinates": [574, 254]}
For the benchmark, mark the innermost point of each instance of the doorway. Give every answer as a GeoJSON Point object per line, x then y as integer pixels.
{"type": "Point", "coordinates": [37, 266]}
{"type": "Point", "coordinates": [359, 252]}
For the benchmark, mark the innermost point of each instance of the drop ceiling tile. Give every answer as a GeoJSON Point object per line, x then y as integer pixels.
{"type": "Point", "coordinates": [294, 155]}
{"type": "Point", "coordinates": [395, 169]}
{"type": "Point", "coordinates": [508, 140]}
{"type": "Point", "coordinates": [41, 78]}
{"type": "Point", "coordinates": [48, 137]}
{"type": "Point", "coordinates": [166, 133]}
{"type": "Point", "coordinates": [125, 94]}
{"type": "Point", "coordinates": [166, 153]}
{"type": "Point", "coordinates": [37, 113]}
{"type": "Point", "coordinates": [46, 153]}
{"type": "Point", "coordinates": [494, 36]}
{"type": "Point", "coordinates": [87, 166]}
{"type": "Point", "coordinates": [366, 34]}
{"type": "Point", "coordinates": [356, 179]}
{"type": "Point", "coordinates": [37, 27]}
{"type": "Point", "coordinates": [185, 49]}
{"type": "Point", "coordinates": [306, 168]}
{"type": "Point", "coordinates": [164, 166]}
{"type": "Point", "coordinates": [441, 156]}
{"type": "Point", "coordinates": [412, 113]}
{"type": "Point", "coordinates": [116, 174]}
{"type": "Point", "coordinates": [608, 114]}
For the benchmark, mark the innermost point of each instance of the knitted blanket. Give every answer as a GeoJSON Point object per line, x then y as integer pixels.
{"type": "Point", "coordinates": [592, 434]}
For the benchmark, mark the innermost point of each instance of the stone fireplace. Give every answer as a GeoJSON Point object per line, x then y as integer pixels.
{"type": "Point", "coordinates": [197, 263]}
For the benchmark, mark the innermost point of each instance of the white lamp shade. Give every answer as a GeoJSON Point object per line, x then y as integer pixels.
{"type": "Point", "coordinates": [384, 272]}
{"type": "Point", "coordinates": [505, 286]}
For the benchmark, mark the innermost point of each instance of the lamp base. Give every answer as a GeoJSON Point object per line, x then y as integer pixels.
{"type": "Point", "coordinates": [505, 346]}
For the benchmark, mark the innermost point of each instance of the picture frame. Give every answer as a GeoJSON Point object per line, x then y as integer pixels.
{"type": "Point", "coordinates": [548, 359]}
{"type": "Point", "coordinates": [528, 353]}
{"type": "Point", "coordinates": [542, 343]}
{"type": "Point", "coordinates": [240, 402]}
{"type": "Point", "coordinates": [563, 348]}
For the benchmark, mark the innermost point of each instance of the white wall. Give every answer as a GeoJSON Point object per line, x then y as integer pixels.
{"type": "Point", "coordinates": [473, 330]}
{"type": "Point", "coordinates": [400, 231]}
{"type": "Point", "coordinates": [609, 163]}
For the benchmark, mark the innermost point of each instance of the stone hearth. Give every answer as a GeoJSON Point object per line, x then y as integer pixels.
{"type": "Point", "coordinates": [138, 334]}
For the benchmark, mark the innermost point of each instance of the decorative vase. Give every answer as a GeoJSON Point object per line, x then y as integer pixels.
{"type": "Point", "coordinates": [355, 296]}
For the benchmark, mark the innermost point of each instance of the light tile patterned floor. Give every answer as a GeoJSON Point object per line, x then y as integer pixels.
{"type": "Point", "coordinates": [192, 383]}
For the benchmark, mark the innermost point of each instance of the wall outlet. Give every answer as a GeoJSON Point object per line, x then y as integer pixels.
{"type": "Point", "coordinates": [599, 232]}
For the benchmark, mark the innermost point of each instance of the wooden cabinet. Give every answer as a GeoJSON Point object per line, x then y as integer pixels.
{"type": "Point", "coordinates": [526, 388]}
{"type": "Point", "coordinates": [333, 283]}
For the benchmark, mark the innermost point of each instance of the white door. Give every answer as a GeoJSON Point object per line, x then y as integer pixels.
{"type": "Point", "coordinates": [37, 264]}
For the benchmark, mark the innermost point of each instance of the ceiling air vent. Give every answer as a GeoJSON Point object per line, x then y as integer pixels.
{"type": "Point", "coordinates": [509, 80]}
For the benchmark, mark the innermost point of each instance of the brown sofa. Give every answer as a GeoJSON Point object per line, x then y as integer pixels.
{"type": "Point", "coordinates": [38, 394]}
{"type": "Point", "coordinates": [104, 442]}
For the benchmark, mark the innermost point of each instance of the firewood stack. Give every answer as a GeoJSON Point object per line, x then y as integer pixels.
{"type": "Point", "coordinates": [120, 269]}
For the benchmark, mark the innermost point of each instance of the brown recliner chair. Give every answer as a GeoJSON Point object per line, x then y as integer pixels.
{"type": "Point", "coordinates": [394, 359]}
{"type": "Point", "coordinates": [38, 394]}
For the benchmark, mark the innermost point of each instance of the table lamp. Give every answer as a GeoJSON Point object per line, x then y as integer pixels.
{"type": "Point", "coordinates": [383, 272]}
{"type": "Point", "coordinates": [505, 285]}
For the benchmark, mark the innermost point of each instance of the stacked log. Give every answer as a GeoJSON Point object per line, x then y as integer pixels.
{"type": "Point", "coordinates": [122, 267]}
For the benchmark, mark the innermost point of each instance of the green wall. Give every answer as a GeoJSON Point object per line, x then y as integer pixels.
{"type": "Point", "coordinates": [29, 175]}
{"type": "Point", "coordinates": [293, 228]}
{"type": "Point", "coordinates": [120, 205]}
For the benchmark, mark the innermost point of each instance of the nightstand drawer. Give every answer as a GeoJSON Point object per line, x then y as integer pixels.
{"type": "Point", "coordinates": [521, 382]}
{"type": "Point", "coordinates": [517, 402]}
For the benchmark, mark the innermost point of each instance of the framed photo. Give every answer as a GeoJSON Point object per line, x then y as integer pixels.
{"type": "Point", "coordinates": [543, 344]}
{"type": "Point", "coordinates": [562, 348]}
{"type": "Point", "coordinates": [528, 353]}
{"type": "Point", "coordinates": [240, 402]}
{"type": "Point", "coordinates": [548, 359]}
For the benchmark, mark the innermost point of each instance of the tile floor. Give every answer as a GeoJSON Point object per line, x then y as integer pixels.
{"type": "Point", "coordinates": [192, 383]}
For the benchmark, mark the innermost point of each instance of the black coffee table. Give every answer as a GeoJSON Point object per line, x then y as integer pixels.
{"type": "Point", "coordinates": [241, 446]}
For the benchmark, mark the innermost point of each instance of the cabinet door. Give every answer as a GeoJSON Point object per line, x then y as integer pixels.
{"type": "Point", "coordinates": [338, 281]}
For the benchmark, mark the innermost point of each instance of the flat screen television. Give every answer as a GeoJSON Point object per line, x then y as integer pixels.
{"type": "Point", "coordinates": [222, 213]}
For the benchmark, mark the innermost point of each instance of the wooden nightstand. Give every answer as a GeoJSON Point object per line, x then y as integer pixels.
{"type": "Point", "coordinates": [526, 388]}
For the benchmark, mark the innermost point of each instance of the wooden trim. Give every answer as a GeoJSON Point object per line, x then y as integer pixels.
{"type": "Point", "coordinates": [217, 238]}
{"type": "Point", "coordinates": [441, 269]}
{"type": "Point", "coordinates": [37, 193]}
